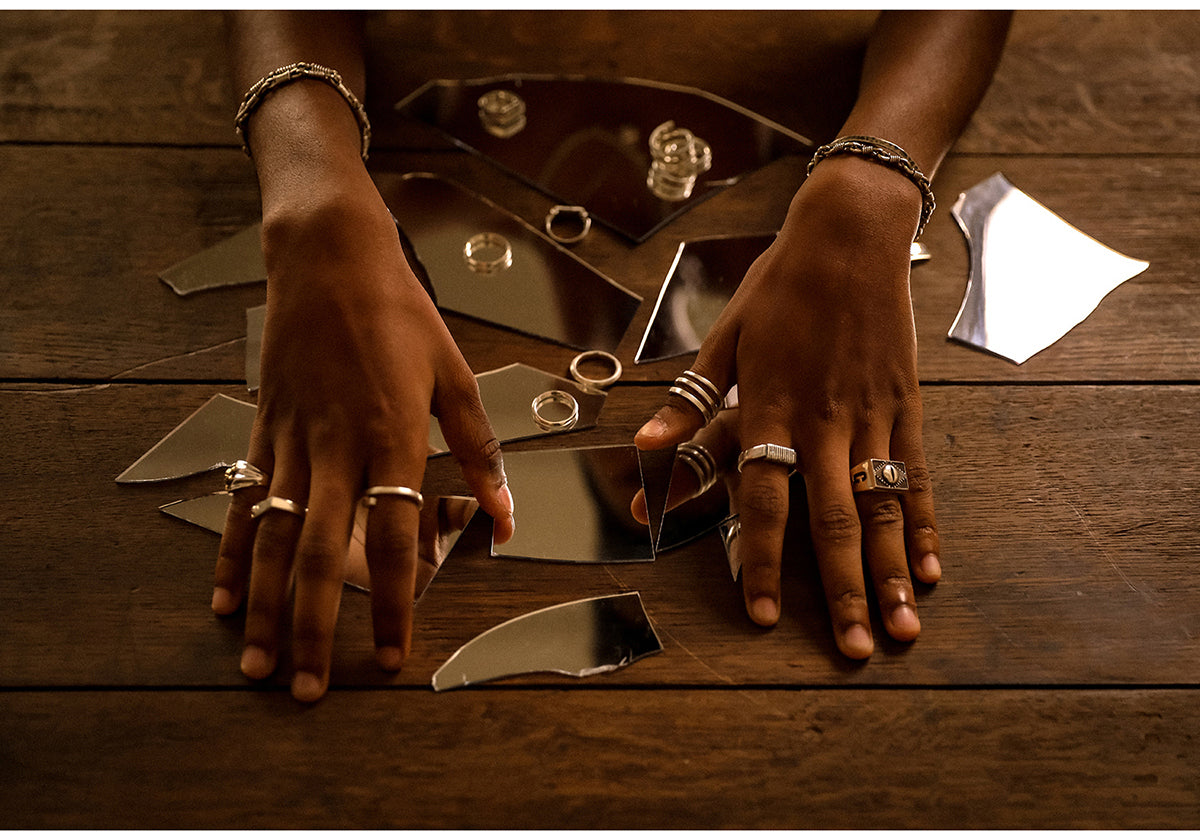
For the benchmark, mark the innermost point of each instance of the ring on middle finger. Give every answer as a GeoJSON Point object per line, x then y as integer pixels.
{"type": "Point", "coordinates": [701, 462]}
{"type": "Point", "coordinates": [876, 474]}
{"type": "Point", "coordinates": [274, 502]}
{"type": "Point", "coordinates": [700, 392]}
{"type": "Point", "coordinates": [769, 452]}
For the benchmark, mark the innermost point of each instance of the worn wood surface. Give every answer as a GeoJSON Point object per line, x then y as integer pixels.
{"type": "Point", "coordinates": [1055, 681]}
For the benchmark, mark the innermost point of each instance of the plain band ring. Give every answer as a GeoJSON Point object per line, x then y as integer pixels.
{"type": "Point", "coordinates": [876, 474]}
{"type": "Point", "coordinates": [701, 461]}
{"type": "Point", "coordinates": [560, 397]}
{"type": "Point", "coordinates": [244, 474]}
{"type": "Point", "coordinates": [598, 384]}
{"type": "Point", "coordinates": [579, 212]}
{"type": "Point", "coordinates": [274, 502]}
{"type": "Point", "coordinates": [406, 493]}
{"type": "Point", "coordinates": [478, 244]}
{"type": "Point", "coordinates": [771, 453]}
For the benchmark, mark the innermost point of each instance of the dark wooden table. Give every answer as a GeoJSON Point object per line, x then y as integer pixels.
{"type": "Point", "coordinates": [1057, 679]}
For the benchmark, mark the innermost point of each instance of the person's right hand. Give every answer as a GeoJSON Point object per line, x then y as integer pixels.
{"type": "Point", "coordinates": [354, 358]}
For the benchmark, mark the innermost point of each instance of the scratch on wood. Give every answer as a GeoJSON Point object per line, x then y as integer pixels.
{"type": "Point", "coordinates": [1100, 547]}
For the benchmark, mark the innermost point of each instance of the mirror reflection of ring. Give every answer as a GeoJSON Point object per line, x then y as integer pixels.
{"type": "Point", "coordinates": [555, 397]}
{"type": "Point", "coordinates": [596, 384]}
{"type": "Point", "coordinates": [487, 253]}
{"type": "Point", "coordinates": [579, 212]}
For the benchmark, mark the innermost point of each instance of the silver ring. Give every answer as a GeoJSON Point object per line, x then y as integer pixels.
{"type": "Point", "coordinates": [243, 474]}
{"type": "Point", "coordinates": [274, 502]}
{"type": "Point", "coordinates": [404, 492]}
{"type": "Point", "coordinates": [487, 253]}
{"type": "Point", "coordinates": [555, 397]}
{"type": "Point", "coordinates": [771, 453]}
{"type": "Point", "coordinates": [597, 384]}
{"type": "Point", "coordinates": [884, 475]}
{"type": "Point", "coordinates": [702, 463]}
{"type": "Point", "coordinates": [579, 212]}
{"type": "Point", "coordinates": [700, 392]}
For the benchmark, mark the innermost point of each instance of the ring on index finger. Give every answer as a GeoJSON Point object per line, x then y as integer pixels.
{"type": "Point", "coordinates": [771, 453]}
{"type": "Point", "coordinates": [700, 392]}
{"type": "Point", "coordinates": [701, 461]}
{"type": "Point", "coordinates": [876, 474]}
{"type": "Point", "coordinates": [243, 474]}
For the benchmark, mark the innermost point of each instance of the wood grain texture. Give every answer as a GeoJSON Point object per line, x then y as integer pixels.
{"type": "Point", "coordinates": [1068, 542]}
{"type": "Point", "coordinates": [91, 306]}
{"type": "Point", "coordinates": [602, 759]}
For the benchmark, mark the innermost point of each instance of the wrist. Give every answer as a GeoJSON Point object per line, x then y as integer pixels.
{"type": "Point", "coordinates": [862, 201]}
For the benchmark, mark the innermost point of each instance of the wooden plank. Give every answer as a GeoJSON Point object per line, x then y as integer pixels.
{"type": "Point", "coordinates": [1067, 529]}
{"type": "Point", "coordinates": [667, 759]}
{"type": "Point", "coordinates": [89, 305]}
{"type": "Point", "coordinates": [1075, 81]}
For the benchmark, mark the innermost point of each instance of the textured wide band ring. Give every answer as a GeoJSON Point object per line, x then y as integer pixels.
{"type": "Point", "coordinates": [883, 475]}
{"type": "Point", "coordinates": [406, 493]}
{"type": "Point", "coordinates": [771, 453]}
{"type": "Point", "coordinates": [700, 392]}
{"type": "Point", "coordinates": [701, 462]}
{"type": "Point", "coordinates": [555, 397]}
{"type": "Point", "coordinates": [243, 474]}
{"type": "Point", "coordinates": [487, 253]}
{"type": "Point", "coordinates": [274, 502]}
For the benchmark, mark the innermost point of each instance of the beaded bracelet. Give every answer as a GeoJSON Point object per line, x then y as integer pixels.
{"type": "Point", "coordinates": [294, 72]}
{"type": "Point", "coordinates": [889, 154]}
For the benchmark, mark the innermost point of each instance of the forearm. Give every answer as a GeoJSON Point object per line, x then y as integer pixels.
{"type": "Point", "coordinates": [923, 76]}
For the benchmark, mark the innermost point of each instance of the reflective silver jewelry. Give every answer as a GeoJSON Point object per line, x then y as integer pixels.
{"type": "Point", "coordinates": [502, 113]}
{"type": "Point", "coordinates": [487, 253]}
{"type": "Point", "coordinates": [243, 474]}
{"type": "Point", "coordinates": [555, 397]}
{"type": "Point", "coordinates": [771, 453]}
{"type": "Point", "coordinates": [596, 384]}
{"type": "Point", "coordinates": [295, 72]}
{"type": "Point", "coordinates": [701, 462]}
{"type": "Point", "coordinates": [700, 392]}
{"type": "Point", "coordinates": [403, 492]}
{"type": "Point", "coordinates": [883, 475]}
{"type": "Point", "coordinates": [580, 213]}
{"type": "Point", "coordinates": [274, 502]}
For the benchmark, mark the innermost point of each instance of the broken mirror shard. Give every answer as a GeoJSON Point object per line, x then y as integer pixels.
{"type": "Point", "coordinates": [1033, 277]}
{"type": "Point", "coordinates": [700, 282]}
{"type": "Point", "coordinates": [508, 395]}
{"type": "Point", "coordinates": [207, 511]}
{"type": "Point", "coordinates": [656, 469]}
{"type": "Point", "coordinates": [587, 142]}
{"type": "Point", "coordinates": [213, 437]}
{"type": "Point", "coordinates": [574, 506]}
{"type": "Point", "coordinates": [580, 639]}
{"type": "Point", "coordinates": [235, 261]}
{"type": "Point", "coordinates": [255, 318]}
{"type": "Point", "coordinates": [486, 263]}
{"type": "Point", "coordinates": [730, 530]}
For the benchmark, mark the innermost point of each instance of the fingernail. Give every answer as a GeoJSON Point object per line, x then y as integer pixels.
{"type": "Point", "coordinates": [930, 567]}
{"type": "Point", "coordinates": [389, 658]}
{"type": "Point", "coordinates": [222, 601]}
{"type": "Point", "coordinates": [506, 500]}
{"type": "Point", "coordinates": [256, 662]}
{"type": "Point", "coordinates": [763, 611]}
{"type": "Point", "coordinates": [653, 429]}
{"type": "Point", "coordinates": [306, 687]}
{"type": "Point", "coordinates": [905, 620]}
{"type": "Point", "coordinates": [857, 642]}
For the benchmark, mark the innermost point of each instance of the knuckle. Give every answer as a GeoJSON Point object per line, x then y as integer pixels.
{"type": "Point", "coordinates": [319, 558]}
{"type": "Point", "coordinates": [764, 503]}
{"type": "Point", "coordinates": [850, 602]}
{"type": "Point", "coordinates": [919, 479]}
{"type": "Point", "coordinates": [883, 514]}
{"type": "Point", "coordinates": [836, 523]}
{"type": "Point", "coordinates": [274, 539]}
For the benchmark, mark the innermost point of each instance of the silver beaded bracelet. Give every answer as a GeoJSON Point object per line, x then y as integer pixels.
{"type": "Point", "coordinates": [295, 72]}
{"type": "Point", "coordinates": [889, 154]}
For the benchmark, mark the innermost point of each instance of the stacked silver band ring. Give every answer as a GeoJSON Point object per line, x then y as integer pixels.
{"type": "Point", "coordinates": [771, 453]}
{"type": "Point", "coordinates": [700, 392]}
{"type": "Point", "coordinates": [243, 474]}
{"type": "Point", "coordinates": [701, 462]}
{"type": "Point", "coordinates": [274, 502]}
{"type": "Point", "coordinates": [403, 492]}
{"type": "Point", "coordinates": [883, 475]}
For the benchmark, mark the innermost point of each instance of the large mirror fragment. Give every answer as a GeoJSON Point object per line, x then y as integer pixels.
{"type": "Point", "coordinates": [1033, 277]}
{"type": "Point", "coordinates": [235, 261]}
{"type": "Point", "coordinates": [583, 638]}
{"type": "Point", "coordinates": [593, 142]}
{"type": "Point", "coordinates": [213, 437]}
{"type": "Point", "coordinates": [574, 506]}
{"type": "Point", "coordinates": [486, 263]}
{"type": "Point", "coordinates": [509, 395]}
